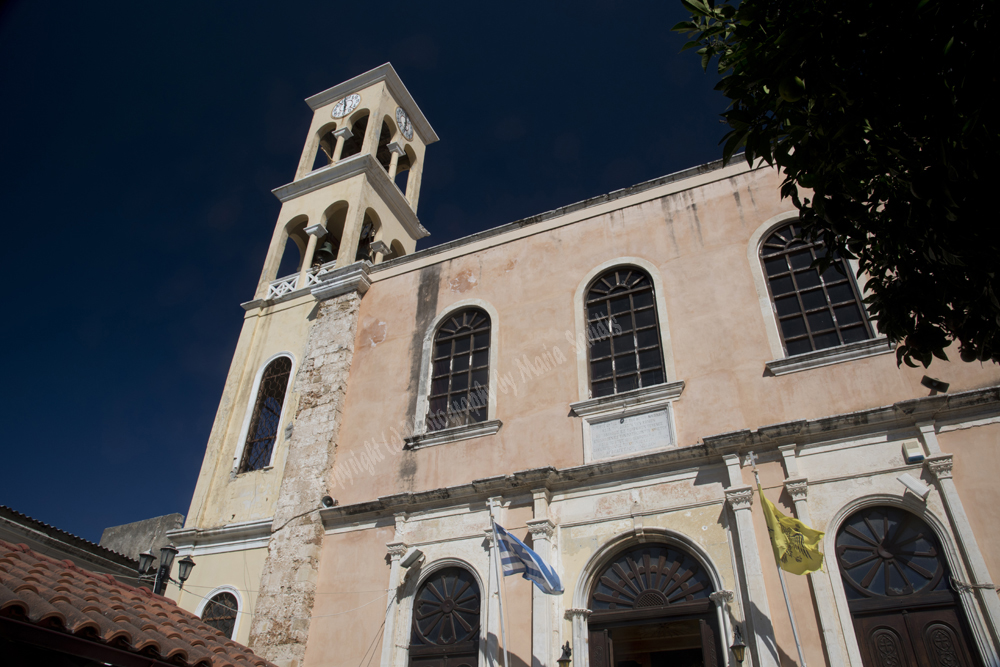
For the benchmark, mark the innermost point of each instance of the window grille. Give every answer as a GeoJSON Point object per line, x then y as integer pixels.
{"type": "Point", "coordinates": [815, 311]}
{"type": "Point", "coordinates": [220, 613]}
{"type": "Point", "coordinates": [623, 333]}
{"type": "Point", "coordinates": [266, 418]}
{"type": "Point", "coordinates": [460, 371]}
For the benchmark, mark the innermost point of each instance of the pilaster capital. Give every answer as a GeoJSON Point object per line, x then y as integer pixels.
{"type": "Point", "coordinates": [740, 497]}
{"type": "Point", "coordinates": [488, 532]}
{"type": "Point", "coordinates": [541, 528]}
{"type": "Point", "coordinates": [397, 148]}
{"type": "Point", "coordinates": [797, 488]}
{"type": "Point", "coordinates": [317, 230]}
{"type": "Point", "coordinates": [577, 613]}
{"type": "Point", "coordinates": [396, 549]}
{"type": "Point", "coordinates": [721, 598]}
{"type": "Point", "coordinates": [939, 466]}
{"type": "Point", "coordinates": [343, 133]}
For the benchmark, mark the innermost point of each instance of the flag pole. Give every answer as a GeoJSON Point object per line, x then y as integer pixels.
{"type": "Point", "coordinates": [496, 566]}
{"type": "Point", "coordinates": [781, 575]}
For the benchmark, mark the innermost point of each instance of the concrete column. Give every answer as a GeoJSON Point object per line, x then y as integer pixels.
{"type": "Point", "coordinates": [826, 604]}
{"type": "Point", "coordinates": [343, 134]}
{"type": "Point", "coordinates": [413, 184]}
{"type": "Point", "coordinates": [722, 600]}
{"type": "Point", "coordinates": [581, 635]}
{"type": "Point", "coordinates": [396, 551]}
{"type": "Point", "coordinates": [982, 588]}
{"type": "Point", "coordinates": [315, 233]}
{"type": "Point", "coordinates": [760, 637]}
{"type": "Point", "coordinates": [397, 152]}
{"type": "Point", "coordinates": [541, 604]}
{"type": "Point", "coordinates": [352, 234]}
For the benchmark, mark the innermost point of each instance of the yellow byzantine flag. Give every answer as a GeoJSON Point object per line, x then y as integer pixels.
{"type": "Point", "coordinates": [796, 545]}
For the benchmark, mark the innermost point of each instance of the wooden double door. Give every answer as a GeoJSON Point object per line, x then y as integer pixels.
{"type": "Point", "coordinates": [922, 637]}
{"type": "Point", "coordinates": [674, 641]}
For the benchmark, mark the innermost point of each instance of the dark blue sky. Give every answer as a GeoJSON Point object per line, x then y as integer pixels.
{"type": "Point", "coordinates": [139, 144]}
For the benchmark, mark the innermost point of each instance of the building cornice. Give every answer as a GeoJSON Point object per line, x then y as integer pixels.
{"type": "Point", "coordinates": [362, 163]}
{"type": "Point", "coordinates": [903, 414]}
{"type": "Point", "coordinates": [396, 88]}
{"type": "Point", "coordinates": [234, 537]}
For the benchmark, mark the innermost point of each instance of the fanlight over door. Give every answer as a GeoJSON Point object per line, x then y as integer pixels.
{"type": "Point", "coordinates": [896, 580]}
{"type": "Point", "coordinates": [652, 576]}
{"type": "Point", "coordinates": [445, 628]}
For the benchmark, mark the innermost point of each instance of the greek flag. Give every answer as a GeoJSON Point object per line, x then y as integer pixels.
{"type": "Point", "coordinates": [516, 557]}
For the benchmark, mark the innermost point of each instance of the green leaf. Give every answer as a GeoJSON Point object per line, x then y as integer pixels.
{"type": "Point", "coordinates": [684, 26]}
{"type": "Point", "coordinates": [696, 7]}
{"type": "Point", "coordinates": [947, 47]}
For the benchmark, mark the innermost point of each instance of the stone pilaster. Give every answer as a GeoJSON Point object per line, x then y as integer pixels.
{"type": "Point", "coordinates": [288, 583]}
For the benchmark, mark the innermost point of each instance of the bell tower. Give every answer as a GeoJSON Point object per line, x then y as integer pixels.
{"type": "Point", "coordinates": [355, 192]}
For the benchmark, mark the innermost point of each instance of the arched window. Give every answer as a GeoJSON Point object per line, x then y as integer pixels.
{"type": "Point", "coordinates": [897, 585]}
{"type": "Point", "coordinates": [815, 311]}
{"type": "Point", "coordinates": [353, 145]}
{"type": "Point", "coordinates": [220, 613]}
{"type": "Point", "coordinates": [266, 418]}
{"type": "Point", "coordinates": [446, 620]}
{"type": "Point", "coordinates": [623, 333]}
{"type": "Point", "coordinates": [460, 371]}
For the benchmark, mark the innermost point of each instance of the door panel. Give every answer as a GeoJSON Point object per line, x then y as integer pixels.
{"type": "Point", "coordinates": [885, 641]}
{"type": "Point", "coordinates": [939, 637]}
{"type": "Point", "coordinates": [931, 638]}
{"type": "Point", "coordinates": [600, 649]}
{"type": "Point", "coordinates": [708, 644]}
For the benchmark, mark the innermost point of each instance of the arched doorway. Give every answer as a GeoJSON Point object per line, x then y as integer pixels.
{"type": "Point", "coordinates": [651, 608]}
{"type": "Point", "coordinates": [445, 627]}
{"type": "Point", "coordinates": [897, 584]}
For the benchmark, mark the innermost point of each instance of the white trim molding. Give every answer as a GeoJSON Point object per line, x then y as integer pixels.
{"type": "Point", "coordinates": [456, 434]}
{"type": "Point", "coordinates": [225, 588]}
{"type": "Point", "coordinates": [245, 428]}
{"type": "Point", "coordinates": [628, 404]}
{"type": "Point", "coordinates": [233, 537]}
{"type": "Point", "coordinates": [580, 319]}
{"type": "Point", "coordinates": [831, 355]}
{"type": "Point", "coordinates": [424, 387]}
{"type": "Point", "coordinates": [351, 278]}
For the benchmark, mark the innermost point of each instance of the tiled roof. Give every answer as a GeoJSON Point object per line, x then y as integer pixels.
{"type": "Point", "coordinates": [16, 517]}
{"type": "Point", "coordinates": [69, 602]}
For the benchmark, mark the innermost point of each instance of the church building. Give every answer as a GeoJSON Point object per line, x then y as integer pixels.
{"type": "Point", "coordinates": [600, 380]}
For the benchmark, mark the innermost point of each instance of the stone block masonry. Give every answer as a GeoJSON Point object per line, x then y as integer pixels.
{"type": "Point", "coordinates": [288, 585]}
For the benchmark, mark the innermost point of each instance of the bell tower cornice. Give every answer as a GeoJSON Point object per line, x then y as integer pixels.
{"type": "Point", "coordinates": [396, 88]}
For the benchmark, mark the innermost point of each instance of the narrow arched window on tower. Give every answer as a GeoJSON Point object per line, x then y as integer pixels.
{"type": "Point", "coordinates": [623, 333]}
{"type": "Point", "coordinates": [220, 613]}
{"type": "Point", "coordinates": [460, 371]}
{"type": "Point", "coordinates": [814, 310]}
{"type": "Point", "coordinates": [266, 417]}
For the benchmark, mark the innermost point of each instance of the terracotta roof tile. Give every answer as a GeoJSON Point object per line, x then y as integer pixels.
{"type": "Point", "coordinates": [97, 607]}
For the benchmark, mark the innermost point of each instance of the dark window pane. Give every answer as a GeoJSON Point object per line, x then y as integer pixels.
{"type": "Point", "coordinates": [814, 299]}
{"type": "Point", "coordinates": [854, 334]}
{"type": "Point", "coordinates": [645, 318]}
{"type": "Point", "coordinates": [623, 322]}
{"type": "Point", "coordinates": [439, 386]}
{"type": "Point", "coordinates": [650, 359]}
{"type": "Point", "coordinates": [441, 367]}
{"type": "Point", "coordinates": [800, 260]}
{"type": "Point", "coordinates": [649, 378]}
{"type": "Point", "coordinates": [605, 388]}
{"type": "Point", "coordinates": [460, 363]}
{"type": "Point", "coordinates": [628, 383]}
{"type": "Point", "coordinates": [623, 343]}
{"type": "Point", "coordinates": [782, 285]}
{"type": "Point", "coordinates": [482, 377]}
{"type": "Point", "coordinates": [597, 311]}
{"type": "Point", "coordinates": [820, 321]}
{"type": "Point", "coordinates": [480, 358]}
{"type": "Point", "coordinates": [442, 349]}
{"type": "Point", "coordinates": [642, 299]}
{"type": "Point", "coordinates": [826, 340]}
{"type": "Point", "coordinates": [848, 314]}
{"type": "Point", "coordinates": [800, 346]}
{"type": "Point", "coordinates": [600, 369]}
{"type": "Point", "coordinates": [647, 337]}
{"type": "Point", "coordinates": [601, 348]}
{"type": "Point", "coordinates": [462, 344]}
{"type": "Point", "coordinates": [792, 327]}
{"type": "Point", "coordinates": [482, 340]}
{"type": "Point", "coordinates": [620, 305]}
{"type": "Point", "coordinates": [625, 363]}
{"type": "Point", "coordinates": [459, 382]}
{"type": "Point", "coordinates": [836, 272]}
{"type": "Point", "coordinates": [840, 293]}
{"type": "Point", "coordinates": [774, 266]}
{"type": "Point", "coordinates": [787, 305]}
{"type": "Point", "coordinates": [806, 279]}
{"type": "Point", "coordinates": [438, 404]}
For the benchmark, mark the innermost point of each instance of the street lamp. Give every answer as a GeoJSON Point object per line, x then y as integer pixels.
{"type": "Point", "coordinates": [167, 554]}
{"type": "Point", "coordinates": [566, 657]}
{"type": "Point", "coordinates": [738, 648]}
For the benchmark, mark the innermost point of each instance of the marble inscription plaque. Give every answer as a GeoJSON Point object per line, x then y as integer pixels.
{"type": "Point", "coordinates": [618, 437]}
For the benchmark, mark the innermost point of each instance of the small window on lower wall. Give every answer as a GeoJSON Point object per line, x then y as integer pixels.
{"type": "Point", "coordinates": [815, 310]}
{"type": "Point", "coordinates": [220, 613]}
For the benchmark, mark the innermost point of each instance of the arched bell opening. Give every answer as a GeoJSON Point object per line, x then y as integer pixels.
{"type": "Point", "coordinates": [371, 226]}
{"type": "Point", "coordinates": [651, 608]}
{"type": "Point", "coordinates": [445, 628]}
{"type": "Point", "coordinates": [296, 240]}
{"type": "Point", "coordinates": [897, 583]}
{"type": "Point", "coordinates": [359, 125]}
{"type": "Point", "coordinates": [382, 153]}
{"type": "Point", "coordinates": [328, 247]}
{"type": "Point", "coordinates": [327, 146]}
{"type": "Point", "coordinates": [395, 250]}
{"type": "Point", "coordinates": [403, 167]}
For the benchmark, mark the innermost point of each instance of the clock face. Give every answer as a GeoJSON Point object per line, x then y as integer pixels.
{"type": "Point", "coordinates": [346, 105]}
{"type": "Point", "coordinates": [405, 126]}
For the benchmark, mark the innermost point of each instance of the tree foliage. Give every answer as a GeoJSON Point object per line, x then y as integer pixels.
{"type": "Point", "coordinates": [879, 114]}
